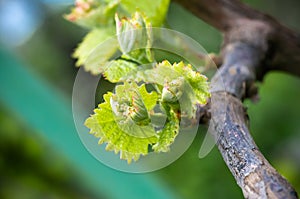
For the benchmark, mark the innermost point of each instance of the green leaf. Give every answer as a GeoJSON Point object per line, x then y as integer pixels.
{"type": "Point", "coordinates": [113, 121]}
{"type": "Point", "coordinates": [197, 81]}
{"type": "Point", "coordinates": [155, 10]}
{"type": "Point", "coordinates": [182, 87]}
{"type": "Point", "coordinates": [176, 78]}
{"type": "Point", "coordinates": [168, 134]}
{"type": "Point", "coordinates": [118, 69]}
{"type": "Point", "coordinates": [173, 90]}
{"type": "Point", "coordinates": [185, 85]}
{"type": "Point", "coordinates": [93, 13]}
{"type": "Point", "coordinates": [149, 99]}
{"type": "Point", "coordinates": [135, 38]}
{"type": "Point", "coordinates": [97, 13]}
{"type": "Point", "coordinates": [96, 59]}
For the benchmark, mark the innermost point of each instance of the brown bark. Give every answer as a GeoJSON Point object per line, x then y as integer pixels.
{"type": "Point", "coordinates": [254, 43]}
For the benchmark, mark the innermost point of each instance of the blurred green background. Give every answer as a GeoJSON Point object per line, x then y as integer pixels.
{"type": "Point", "coordinates": [40, 153]}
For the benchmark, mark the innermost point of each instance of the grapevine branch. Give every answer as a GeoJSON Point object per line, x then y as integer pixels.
{"type": "Point", "coordinates": [254, 43]}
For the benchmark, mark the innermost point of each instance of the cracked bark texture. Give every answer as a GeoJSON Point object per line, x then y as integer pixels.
{"type": "Point", "coordinates": [254, 43]}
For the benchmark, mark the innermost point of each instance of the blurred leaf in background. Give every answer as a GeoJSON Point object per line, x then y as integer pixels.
{"type": "Point", "coordinates": [31, 168]}
{"type": "Point", "coordinates": [17, 28]}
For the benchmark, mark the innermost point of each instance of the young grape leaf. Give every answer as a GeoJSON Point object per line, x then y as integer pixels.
{"type": "Point", "coordinates": [182, 87]}
{"type": "Point", "coordinates": [113, 119]}
{"type": "Point", "coordinates": [93, 13]}
{"type": "Point", "coordinates": [167, 135]}
{"type": "Point", "coordinates": [95, 62]}
{"type": "Point", "coordinates": [98, 13]}
{"type": "Point", "coordinates": [155, 10]}
{"type": "Point", "coordinates": [98, 47]}
{"type": "Point", "coordinates": [197, 81]}
{"type": "Point", "coordinates": [183, 84]}
{"type": "Point", "coordinates": [135, 38]}
{"type": "Point", "coordinates": [118, 69]}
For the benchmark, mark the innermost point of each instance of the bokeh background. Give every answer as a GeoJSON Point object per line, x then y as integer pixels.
{"type": "Point", "coordinates": [41, 155]}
